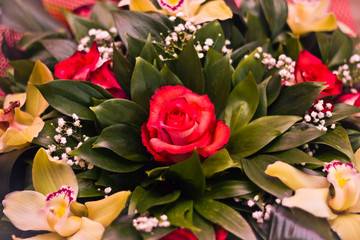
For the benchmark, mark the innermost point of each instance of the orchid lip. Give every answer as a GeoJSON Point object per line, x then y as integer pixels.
{"type": "Point", "coordinates": [67, 191]}
{"type": "Point", "coordinates": [171, 7]}
{"type": "Point", "coordinates": [335, 164]}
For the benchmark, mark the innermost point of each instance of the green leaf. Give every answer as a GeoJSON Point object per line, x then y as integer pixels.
{"type": "Point", "coordinates": [29, 39]}
{"type": "Point", "coordinates": [122, 70]}
{"type": "Point", "coordinates": [122, 228]}
{"type": "Point", "coordinates": [262, 107]}
{"type": "Point", "coordinates": [134, 48]}
{"type": "Point", "coordinates": [297, 135]}
{"type": "Point", "coordinates": [339, 140]}
{"type": "Point", "coordinates": [189, 69]}
{"type": "Point", "coordinates": [124, 141]}
{"type": "Point", "coordinates": [101, 13]}
{"type": "Point", "coordinates": [139, 25]}
{"type": "Point", "coordinates": [296, 99]}
{"type": "Point", "coordinates": [60, 49]}
{"type": "Point", "coordinates": [256, 29]}
{"type": "Point", "coordinates": [180, 214]}
{"type": "Point", "coordinates": [249, 64]}
{"type": "Point", "coordinates": [216, 163]}
{"type": "Point", "coordinates": [145, 81]}
{"type": "Point", "coordinates": [218, 83]}
{"type": "Point", "coordinates": [104, 158]}
{"type": "Point", "coordinates": [22, 71]}
{"type": "Point", "coordinates": [297, 224]}
{"type": "Point", "coordinates": [275, 14]}
{"type": "Point", "coordinates": [212, 30]}
{"type": "Point", "coordinates": [60, 95]}
{"type": "Point", "coordinates": [296, 156]}
{"type": "Point", "coordinates": [273, 87]}
{"type": "Point", "coordinates": [149, 53]}
{"type": "Point", "coordinates": [135, 198]}
{"type": "Point", "coordinates": [323, 41]}
{"type": "Point", "coordinates": [80, 26]}
{"type": "Point", "coordinates": [242, 103]}
{"type": "Point", "coordinates": [116, 111]}
{"type": "Point", "coordinates": [88, 189]}
{"type": "Point", "coordinates": [170, 78]}
{"type": "Point", "coordinates": [189, 175]}
{"type": "Point", "coordinates": [206, 228]}
{"type": "Point", "coordinates": [340, 112]}
{"type": "Point", "coordinates": [238, 54]}
{"type": "Point", "coordinates": [293, 47]}
{"type": "Point", "coordinates": [230, 188]}
{"type": "Point", "coordinates": [255, 170]}
{"type": "Point", "coordinates": [340, 48]}
{"type": "Point", "coordinates": [224, 216]}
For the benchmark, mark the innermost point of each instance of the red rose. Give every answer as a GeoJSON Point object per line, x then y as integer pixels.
{"type": "Point", "coordinates": [351, 99]}
{"type": "Point", "coordinates": [179, 122]}
{"type": "Point", "coordinates": [183, 234]}
{"type": "Point", "coordinates": [309, 68]}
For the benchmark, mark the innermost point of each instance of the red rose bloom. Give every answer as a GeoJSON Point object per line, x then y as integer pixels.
{"type": "Point", "coordinates": [183, 234]}
{"type": "Point", "coordinates": [309, 68]}
{"type": "Point", "coordinates": [179, 122]}
{"type": "Point", "coordinates": [351, 99]}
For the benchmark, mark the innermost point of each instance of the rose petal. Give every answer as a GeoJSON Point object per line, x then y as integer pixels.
{"type": "Point", "coordinates": [346, 226]}
{"type": "Point", "coordinates": [23, 210]}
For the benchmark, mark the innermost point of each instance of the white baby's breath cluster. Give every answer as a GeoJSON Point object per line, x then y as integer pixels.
{"type": "Point", "coordinates": [318, 113]}
{"type": "Point", "coordinates": [104, 40]}
{"type": "Point", "coordinates": [349, 73]}
{"type": "Point", "coordinates": [310, 150]}
{"type": "Point", "coordinates": [262, 215]}
{"type": "Point", "coordinates": [60, 148]}
{"type": "Point", "coordinates": [146, 224]}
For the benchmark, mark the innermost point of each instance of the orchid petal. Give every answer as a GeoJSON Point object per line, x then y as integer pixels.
{"type": "Point", "coordinates": [78, 209]}
{"type": "Point", "coordinates": [35, 102]}
{"type": "Point", "coordinates": [346, 226]}
{"type": "Point", "coordinates": [306, 11]}
{"type": "Point", "coordinates": [50, 175]}
{"type": "Point", "coordinates": [142, 6]}
{"type": "Point", "coordinates": [326, 23]}
{"type": "Point", "coordinates": [14, 97]}
{"type": "Point", "coordinates": [357, 160]}
{"type": "Point", "coordinates": [23, 210]}
{"type": "Point", "coordinates": [294, 178]}
{"type": "Point", "coordinates": [312, 200]}
{"type": "Point", "coordinates": [22, 117]}
{"type": "Point", "coordinates": [212, 10]}
{"type": "Point", "coordinates": [68, 225]}
{"type": "Point", "coordinates": [90, 230]}
{"type": "Point", "coordinates": [46, 236]}
{"type": "Point", "coordinates": [106, 210]}
{"type": "Point", "coordinates": [6, 136]}
{"type": "Point", "coordinates": [27, 134]}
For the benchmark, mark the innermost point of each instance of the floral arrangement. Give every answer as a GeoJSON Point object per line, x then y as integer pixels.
{"type": "Point", "coordinates": [180, 120]}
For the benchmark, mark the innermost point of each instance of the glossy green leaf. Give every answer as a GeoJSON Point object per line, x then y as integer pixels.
{"type": "Point", "coordinates": [22, 71]}
{"type": "Point", "coordinates": [206, 228]}
{"type": "Point", "coordinates": [104, 158]}
{"type": "Point", "coordinates": [262, 107]}
{"type": "Point", "coordinates": [135, 198]}
{"type": "Point", "coordinates": [189, 175]}
{"type": "Point", "coordinates": [60, 95]}
{"type": "Point", "coordinates": [255, 170]}
{"type": "Point", "coordinates": [124, 141]}
{"type": "Point", "coordinates": [249, 64]}
{"type": "Point", "coordinates": [145, 81]}
{"type": "Point", "coordinates": [149, 53]}
{"type": "Point", "coordinates": [340, 48]}
{"type": "Point", "coordinates": [122, 228]}
{"type": "Point", "coordinates": [60, 49]}
{"type": "Point", "coordinates": [216, 163]}
{"type": "Point", "coordinates": [122, 70]}
{"type": "Point", "coordinates": [293, 47]}
{"type": "Point", "coordinates": [323, 40]}
{"type": "Point", "coordinates": [169, 77]}
{"type": "Point", "coordinates": [339, 140]}
{"type": "Point", "coordinates": [29, 39]}
{"type": "Point", "coordinates": [297, 135]}
{"type": "Point", "coordinates": [189, 69]}
{"type": "Point", "coordinates": [230, 188]}
{"type": "Point", "coordinates": [134, 48]}
{"type": "Point", "coordinates": [224, 216]}
{"type": "Point", "coordinates": [180, 214]}
{"type": "Point", "coordinates": [242, 103]}
{"type": "Point", "coordinates": [238, 54]}
{"type": "Point", "coordinates": [275, 14]}
{"type": "Point", "coordinates": [139, 25]}
{"type": "Point", "coordinates": [296, 99]}
{"type": "Point", "coordinates": [88, 189]}
{"type": "Point", "coordinates": [213, 31]}
{"type": "Point", "coordinates": [296, 156]}
{"type": "Point", "coordinates": [340, 112]}
{"type": "Point", "coordinates": [116, 111]}
{"type": "Point", "coordinates": [298, 224]}
{"type": "Point", "coordinates": [273, 87]}
{"type": "Point", "coordinates": [256, 29]}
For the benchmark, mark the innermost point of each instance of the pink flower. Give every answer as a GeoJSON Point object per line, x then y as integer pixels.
{"type": "Point", "coordinates": [351, 99]}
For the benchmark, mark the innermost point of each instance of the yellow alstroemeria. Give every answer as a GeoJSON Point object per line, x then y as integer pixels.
{"type": "Point", "coordinates": [312, 194]}
{"type": "Point", "coordinates": [310, 16]}
{"type": "Point", "coordinates": [52, 206]}
{"type": "Point", "coordinates": [17, 127]}
{"type": "Point", "coordinates": [199, 11]}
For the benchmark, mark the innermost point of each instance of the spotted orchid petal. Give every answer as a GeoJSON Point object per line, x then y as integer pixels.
{"type": "Point", "coordinates": [89, 230]}
{"type": "Point", "coordinates": [171, 5]}
{"type": "Point", "coordinates": [346, 182]}
{"type": "Point", "coordinates": [106, 210]}
{"type": "Point", "coordinates": [35, 102]}
{"type": "Point", "coordinates": [212, 10]}
{"type": "Point", "coordinates": [346, 226]}
{"type": "Point", "coordinates": [21, 97]}
{"type": "Point", "coordinates": [312, 200]}
{"type": "Point", "coordinates": [23, 210]}
{"type": "Point", "coordinates": [49, 175]}
{"type": "Point", "coordinates": [46, 236]}
{"type": "Point", "coordinates": [294, 178]}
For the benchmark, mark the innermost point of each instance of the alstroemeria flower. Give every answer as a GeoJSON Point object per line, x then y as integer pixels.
{"type": "Point", "coordinates": [199, 11]}
{"type": "Point", "coordinates": [17, 127]}
{"type": "Point", "coordinates": [310, 16]}
{"type": "Point", "coordinates": [52, 206]}
{"type": "Point", "coordinates": [312, 194]}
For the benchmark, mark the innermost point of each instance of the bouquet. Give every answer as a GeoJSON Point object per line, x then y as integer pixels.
{"type": "Point", "coordinates": [180, 119]}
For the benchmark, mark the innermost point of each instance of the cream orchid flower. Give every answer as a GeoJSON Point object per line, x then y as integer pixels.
{"type": "Point", "coordinates": [17, 127]}
{"type": "Point", "coordinates": [199, 11]}
{"type": "Point", "coordinates": [52, 206]}
{"type": "Point", "coordinates": [310, 16]}
{"type": "Point", "coordinates": [312, 194]}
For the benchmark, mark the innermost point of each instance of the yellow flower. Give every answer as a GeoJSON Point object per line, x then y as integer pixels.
{"type": "Point", "coordinates": [310, 16]}
{"type": "Point", "coordinates": [52, 206]}
{"type": "Point", "coordinates": [17, 127]}
{"type": "Point", "coordinates": [312, 194]}
{"type": "Point", "coordinates": [198, 11]}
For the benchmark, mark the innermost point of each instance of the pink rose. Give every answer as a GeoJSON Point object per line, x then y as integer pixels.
{"type": "Point", "coordinates": [179, 122]}
{"type": "Point", "coordinates": [351, 99]}
{"type": "Point", "coordinates": [309, 68]}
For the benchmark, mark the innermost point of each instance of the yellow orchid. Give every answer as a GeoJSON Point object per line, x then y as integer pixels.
{"type": "Point", "coordinates": [310, 16]}
{"type": "Point", "coordinates": [17, 127]}
{"type": "Point", "coordinates": [199, 11]}
{"type": "Point", "coordinates": [312, 194]}
{"type": "Point", "coordinates": [52, 206]}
